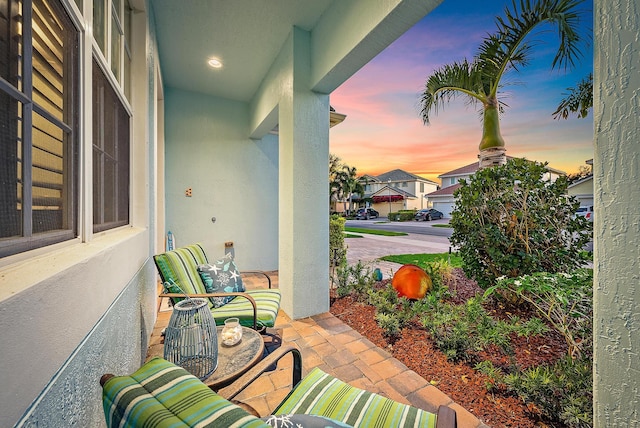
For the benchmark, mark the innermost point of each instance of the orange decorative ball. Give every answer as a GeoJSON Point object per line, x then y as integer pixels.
{"type": "Point", "coordinates": [411, 281]}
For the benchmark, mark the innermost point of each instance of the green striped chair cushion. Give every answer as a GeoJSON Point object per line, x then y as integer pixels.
{"type": "Point", "coordinates": [181, 266]}
{"type": "Point", "coordinates": [161, 394]}
{"type": "Point", "coordinates": [323, 395]}
{"type": "Point", "coordinates": [267, 301]}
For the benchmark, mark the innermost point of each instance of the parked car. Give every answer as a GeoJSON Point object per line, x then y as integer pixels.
{"type": "Point", "coordinates": [586, 212]}
{"type": "Point", "coordinates": [428, 214]}
{"type": "Point", "coordinates": [366, 214]}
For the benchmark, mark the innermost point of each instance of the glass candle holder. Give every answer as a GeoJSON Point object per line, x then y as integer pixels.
{"type": "Point", "coordinates": [231, 332]}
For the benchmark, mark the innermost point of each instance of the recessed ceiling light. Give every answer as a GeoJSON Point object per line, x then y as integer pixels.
{"type": "Point", "coordinates": [214, 63]}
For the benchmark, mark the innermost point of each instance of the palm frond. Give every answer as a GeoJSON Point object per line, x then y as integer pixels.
{"type": "Point", "coordinates": [579, 100]}
{"type": "Point", "coordinates": [448, 82]}
{"type": "Point", "coordinates": [509, 48]}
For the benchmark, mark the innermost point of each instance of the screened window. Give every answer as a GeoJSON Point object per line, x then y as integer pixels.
{"type": "Point", "coordinates": [110, 155]}
{"type": "Point", "coordinates": [112, 33]}
{"type": "Point", "coordinates": [38, 125]}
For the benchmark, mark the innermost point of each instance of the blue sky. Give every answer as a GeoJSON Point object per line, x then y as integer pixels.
{"type": "Point", "coordinates": [383, 129]}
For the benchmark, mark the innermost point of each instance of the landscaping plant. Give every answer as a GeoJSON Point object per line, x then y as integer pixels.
{"type": "Point", "coordinates": [561, 392]}
{"type": "Point", "coordinates": [337, 248]}
{"type": "Point", "coordinates": [509, 221]}
{"type": "Point", "coordinates": [355, 280]}
{"type": "Point", "coordinates": [564, 300]}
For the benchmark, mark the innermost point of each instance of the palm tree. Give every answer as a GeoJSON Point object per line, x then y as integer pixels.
{"type": "Point", "coordinates": [505, 50]}
{"type": "Point", "coordinates": [335, 186]}
{"type": "Point", "coordinates": [350, 184]}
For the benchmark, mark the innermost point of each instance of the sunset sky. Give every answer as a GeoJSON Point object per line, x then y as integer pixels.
{"type": "Point", "coordinates": [384, 131]}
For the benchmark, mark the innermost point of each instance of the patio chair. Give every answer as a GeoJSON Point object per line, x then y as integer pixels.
{"type": "Point", "coordinates": [160, 392]}
{"type": "Point", "coordinates": [187, 270]}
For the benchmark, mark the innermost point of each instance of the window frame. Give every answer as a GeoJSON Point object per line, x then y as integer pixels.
{"type": "Point", "coordinates": [23, 93]}
{"type": "Point", "coordinates": [115, 15]}
{"type": "Point", "coordinates": [100, 222]}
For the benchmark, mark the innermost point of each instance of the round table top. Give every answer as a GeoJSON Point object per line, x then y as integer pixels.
{"type": "Point", "coordinates": [234, 360]}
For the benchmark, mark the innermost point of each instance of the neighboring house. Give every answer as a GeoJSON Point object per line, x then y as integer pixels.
{"type": "Point", "coordinates": [443, 199]}
{"type": "Point", "coordinates": [395, 190]}
{"type": "Point", "coordinates": [582, 189]}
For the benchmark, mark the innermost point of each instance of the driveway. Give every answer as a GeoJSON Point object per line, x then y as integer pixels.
{"type": "Point", "coordinates": [371, 247]}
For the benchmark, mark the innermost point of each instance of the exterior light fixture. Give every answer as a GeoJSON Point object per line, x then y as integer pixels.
{"type": "Point", "coordinates": [214, 63]}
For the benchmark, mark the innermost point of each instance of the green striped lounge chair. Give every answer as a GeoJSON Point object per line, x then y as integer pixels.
{"type": "Point", "coordinates": [187, 270]}
{"type": "Point", "coordinates": [161, 394]}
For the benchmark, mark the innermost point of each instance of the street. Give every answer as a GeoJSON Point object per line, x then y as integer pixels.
{"type": "Point", "coordinates": [417, 227]}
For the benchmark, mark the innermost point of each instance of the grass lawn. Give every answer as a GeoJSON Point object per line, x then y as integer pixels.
{"type": "Point", "coordinates": [373, 231]}
{"type": "Point", "coordinates": [422, 259]}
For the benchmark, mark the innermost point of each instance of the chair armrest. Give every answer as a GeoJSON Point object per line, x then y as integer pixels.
{"type": "Point", "coordinates": [447, 418]}
{"type": "Point", "coordinates": [105, 378]}
{"type": "Point", "coordinates": [259, 272]}
{"type": "Point", "coordinates": [244, 295]}
{"type": "Point", "coordinates": [229, 392]}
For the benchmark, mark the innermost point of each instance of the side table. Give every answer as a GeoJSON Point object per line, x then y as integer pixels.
{"type": "Point", "coordinates": [234, 360]}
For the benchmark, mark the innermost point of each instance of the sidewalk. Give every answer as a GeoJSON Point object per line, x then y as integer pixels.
{"type": "Point", "coordinates": [371, 247]}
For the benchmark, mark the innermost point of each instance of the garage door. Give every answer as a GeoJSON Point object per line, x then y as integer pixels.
{"type": "Point", "coordinates": [444, 207]}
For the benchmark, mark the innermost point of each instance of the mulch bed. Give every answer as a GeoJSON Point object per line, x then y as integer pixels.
{"type": "Point", "coordinates": [460, 381]}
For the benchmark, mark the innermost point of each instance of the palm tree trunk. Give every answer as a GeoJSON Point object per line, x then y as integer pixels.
{"type": "Point", "coordinates": [492, 151]}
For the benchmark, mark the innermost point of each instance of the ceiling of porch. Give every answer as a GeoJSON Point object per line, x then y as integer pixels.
{"type": "Point", "coordinates": [246, 35]}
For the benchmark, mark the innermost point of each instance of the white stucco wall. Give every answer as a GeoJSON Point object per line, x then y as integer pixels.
{"type": "Point", "coordinates": [616, 167]}
{"type": "Point", "coordinates": [232, 178]}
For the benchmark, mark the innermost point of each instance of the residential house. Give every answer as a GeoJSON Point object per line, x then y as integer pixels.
{"type": "Point", "coordinates": [395, 190]}
{"type": "Point", "coordinates": [115, 130]}
{"type": "Point", "coordinates": [582, 189]}
{"type": "Point", "coordinates": [443, 199]}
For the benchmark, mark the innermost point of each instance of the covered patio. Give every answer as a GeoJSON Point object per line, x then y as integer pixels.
{"type": "Point", "coordinates": [238, 156]}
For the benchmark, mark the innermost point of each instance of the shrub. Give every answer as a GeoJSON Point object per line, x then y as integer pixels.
{"type": "Point", "coordinates": [401, 215]}
{"type": "Point", "coordinates": [392, 312]}
{"type": "Point", "coordinates": [509, 222]}
{"type": "Point", "coordinates": [560, 393]}
{"type": "Point", "coordinates": [337, 249]}
{"type": "Point", "coordinates": [355, 280]}
{"type": "Point", "coordinates": [565, 300]}
{"type": "Point", "coordinates": [459, 330]}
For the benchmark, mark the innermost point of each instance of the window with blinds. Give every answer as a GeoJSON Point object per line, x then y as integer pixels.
{"type": "Point", "coordinates": [38, 125]}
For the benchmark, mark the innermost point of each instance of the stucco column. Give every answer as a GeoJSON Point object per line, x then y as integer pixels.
{"type": "Point", "coordinates": [616, 166]}
{"type": "Point", "coordinates": [303, 189]}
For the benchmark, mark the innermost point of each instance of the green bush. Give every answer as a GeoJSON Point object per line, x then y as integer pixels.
{"type": "Point", "coordinates": [355, 280]}
{"type": "Point", "coordinates": [509, 221]}
{"type": "Point", "coordinates": [392, 312]}
{"type": "Point", "coordinates": [560, 393]}
{"type": "Point", "coordinates": [564, 300]}
{"type": "Point", "coordinates": [459, 330]}
{"type": "Point", "coordinates": [337, 249]}
{"type": "Point", "coordinates": [404, 215]}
